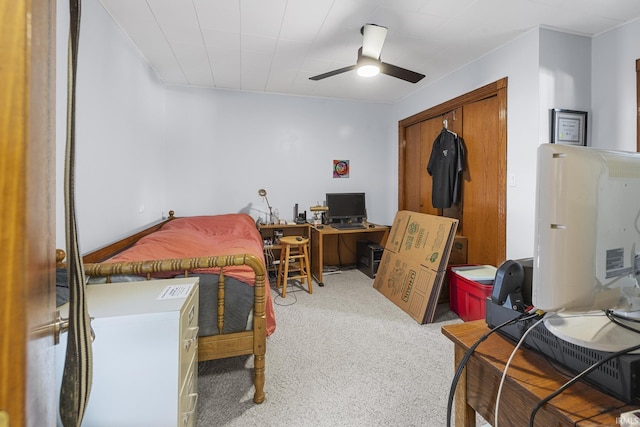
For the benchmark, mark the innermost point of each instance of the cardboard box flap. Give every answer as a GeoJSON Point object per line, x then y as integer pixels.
{"type": "Point", "coordinates": [424, 238]}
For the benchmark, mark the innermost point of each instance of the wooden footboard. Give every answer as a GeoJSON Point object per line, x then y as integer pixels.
{"type": "Point", "coordinates": [214, 346]}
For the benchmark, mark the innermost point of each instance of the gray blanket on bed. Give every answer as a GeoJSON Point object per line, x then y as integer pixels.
{"type": "Point", "coordinates": [238, 313]}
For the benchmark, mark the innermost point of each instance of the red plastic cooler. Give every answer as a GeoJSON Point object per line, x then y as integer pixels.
{"type": "Point", "coordinates": [469, 287]}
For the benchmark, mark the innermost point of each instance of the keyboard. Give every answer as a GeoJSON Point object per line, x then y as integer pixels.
{"type": "Point", "coordinates": [347, 226]}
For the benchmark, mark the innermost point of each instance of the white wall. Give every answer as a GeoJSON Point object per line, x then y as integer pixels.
{"type": "Point", "coordinates": [119, 132]}
{"type": "Point", "coordinates": [224, 145]}
{"type": "Point", "coordinates": [545, 69]}
{"type": "Point", "coordinates": [565, 77]}
{"type": "Point", "coordinates": [517, 60]}
{"type": "Point", "coordinates": [211, 150]}
{"type": "Point", "coordinates": [613, 85]}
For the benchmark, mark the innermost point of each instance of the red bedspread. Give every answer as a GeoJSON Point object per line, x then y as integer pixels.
{"type": "Point", "coordinates": [201, 236]}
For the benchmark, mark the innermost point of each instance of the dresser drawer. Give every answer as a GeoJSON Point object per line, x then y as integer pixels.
{"type": "Point", "coordinates": [188, 399]}
{"type": "Point", "coordinates": [188, 335]}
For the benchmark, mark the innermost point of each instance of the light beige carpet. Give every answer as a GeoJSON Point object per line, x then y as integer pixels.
{"type": "Point", "coordinates": [343, 356]}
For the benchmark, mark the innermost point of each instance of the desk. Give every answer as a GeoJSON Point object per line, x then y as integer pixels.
{"type": "Point", "coordinates": [530, 379]}
{"type": "Point", "coordinates": [330, 246]}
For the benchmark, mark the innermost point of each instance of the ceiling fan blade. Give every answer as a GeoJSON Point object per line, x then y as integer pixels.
{"type": "Point", "coordinates": [401, 73]}
{"type": "Point", "coordinates": [333, 73]}
{"type": "Point", "coordinates": [373, 37]}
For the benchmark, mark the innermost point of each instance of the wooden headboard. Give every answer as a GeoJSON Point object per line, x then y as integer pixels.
{"type": "Point", "coordinates": [107, 251]}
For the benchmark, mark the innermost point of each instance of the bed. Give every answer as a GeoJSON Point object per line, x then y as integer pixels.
{"type": "Point", "coordinates": [225, 252]}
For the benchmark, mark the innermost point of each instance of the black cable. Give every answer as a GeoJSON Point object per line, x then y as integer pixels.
{"type": "Point", "coordinates": [614, 318]}
{"type": "Point", "coordinates": [577, 378]}
{"type": "Point", "coordinates": [468, 354]}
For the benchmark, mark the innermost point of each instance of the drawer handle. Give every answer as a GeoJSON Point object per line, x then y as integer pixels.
{"type": "Point", "coordinates": [192, 313]}
{"type": "Point", "coordinates": [186, 416]}
{"type": "Point", "coordinates": [192, 339]}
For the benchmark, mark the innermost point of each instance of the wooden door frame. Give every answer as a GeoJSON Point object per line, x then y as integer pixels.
{"type": "Point", "coordinates": [27, 183]}
{"type": "Point", "coordinates": [638, 105]}
{"type": "Point", "coordinates": [498, 89]}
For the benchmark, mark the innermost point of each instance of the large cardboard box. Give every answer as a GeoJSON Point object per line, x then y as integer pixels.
{"type": "Point", "coordinates": [458, 256]}
{"type": "Point", "coordinates": [414, 262]}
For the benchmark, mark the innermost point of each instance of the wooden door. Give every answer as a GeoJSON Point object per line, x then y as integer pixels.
{"type": "Point", "coordinates": [411, 182]}
{"type": "Point", "coordinates": [484, 183]}
{"type": "Point", "coordinates": [479, 118]}
{"type": "Point", "coordinates": [27, 163]}
{"type": "Point", "coordinates": [417, 182]}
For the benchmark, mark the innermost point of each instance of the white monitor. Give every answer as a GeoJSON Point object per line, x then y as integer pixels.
{"type": "Point", "coordinates": [587, 243]}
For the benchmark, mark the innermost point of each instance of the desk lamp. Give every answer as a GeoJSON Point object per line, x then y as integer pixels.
{"type": "Point", "coordinates": [316, 213]}
{"type": "Point", "coordinates": [263, 193]}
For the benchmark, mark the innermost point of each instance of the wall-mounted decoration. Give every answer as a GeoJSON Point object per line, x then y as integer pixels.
{"type": "Point", "coordinates": [568, 127]}
{"type": "Point", "coordinates": [341, 168]}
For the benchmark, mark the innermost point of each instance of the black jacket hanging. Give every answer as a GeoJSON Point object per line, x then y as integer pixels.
{"type": "Point", "coordinates": [445, 166]}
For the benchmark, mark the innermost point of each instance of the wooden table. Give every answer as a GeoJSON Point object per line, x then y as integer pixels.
{"type": "Point", "coordinates": [530, 379]}
{"type": "Point", "coordinates": [331, 246]}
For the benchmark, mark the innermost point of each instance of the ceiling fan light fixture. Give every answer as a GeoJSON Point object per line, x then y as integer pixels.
{"type": "Point", "coordinates": [367, 67]}
{"type": "Point", "coordinates": [368, 70]}
{"type": "Point", "coordinates": [368, 63]}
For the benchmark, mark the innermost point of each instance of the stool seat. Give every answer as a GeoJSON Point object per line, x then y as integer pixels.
{"type": "Point", "coordinates": [294, 257]}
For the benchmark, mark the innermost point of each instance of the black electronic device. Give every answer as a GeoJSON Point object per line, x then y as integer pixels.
{"type": "Point", "coordinates": [617, 377]}
{"type": "Point", "coordinates": [301, 218]}
{"type": "Point", "coordinates": [345, 208]}
{"type": "Point", "coordinates": [368, 255]}
{"type": "Point", "coordinates": [508, 286]}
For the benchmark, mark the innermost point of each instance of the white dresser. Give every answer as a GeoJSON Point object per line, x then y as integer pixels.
{"type": "Point", "coordinates": [145, 353]}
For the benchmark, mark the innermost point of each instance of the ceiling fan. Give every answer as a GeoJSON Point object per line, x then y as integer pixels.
{"type": "Point", "coordinates": [369, 63]}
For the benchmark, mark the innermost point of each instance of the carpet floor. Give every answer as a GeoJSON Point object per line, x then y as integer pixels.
{"type": "Point", "coordinates": [342, 356]}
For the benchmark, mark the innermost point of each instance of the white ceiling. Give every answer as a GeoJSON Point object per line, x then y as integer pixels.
{"type": "Point", "coordinates": [274, 46]}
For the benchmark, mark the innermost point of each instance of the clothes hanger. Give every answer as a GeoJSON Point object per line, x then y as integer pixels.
{"type": "Point", "coordinates": [445, 126]}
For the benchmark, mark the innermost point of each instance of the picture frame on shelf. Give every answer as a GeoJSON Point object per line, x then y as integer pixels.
{"type": "Point", "coordinates": [568, 127]}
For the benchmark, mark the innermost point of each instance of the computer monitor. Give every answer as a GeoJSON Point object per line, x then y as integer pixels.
{"type": "Point", "coordinates": [346, 207]}
{"type": "Point", "coordinates": [587, 244]}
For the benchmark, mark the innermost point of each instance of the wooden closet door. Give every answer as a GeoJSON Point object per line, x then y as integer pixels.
{"type": "Point", "coordinates": [417, 181]}
{"type": "Point", "coordinates": [429, 130]}
{"type": "Point", "coordinates": [485, 183]}
{"type": "Point", "coordinates": [480, 119]}
{"type": "Point", "coordinates": [412, 163]}
{"type": "Point", "coordinates": [454, 122]}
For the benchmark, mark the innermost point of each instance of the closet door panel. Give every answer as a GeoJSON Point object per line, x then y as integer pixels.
{"type": "Point", "coordinates": [484, 186]}
{"type": "Point", "coordinates": [429, 130]}
{"type": "Point", "coordinates": [412, 169]}
{"type": "Point", "coordinates": [454, 123]}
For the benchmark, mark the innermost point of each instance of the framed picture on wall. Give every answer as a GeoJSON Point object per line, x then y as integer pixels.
{"type": "Point", "coordinates": [568, 127]}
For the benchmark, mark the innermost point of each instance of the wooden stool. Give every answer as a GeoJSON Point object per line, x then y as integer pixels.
{"type": "Point", "coordinates": [296, 249]}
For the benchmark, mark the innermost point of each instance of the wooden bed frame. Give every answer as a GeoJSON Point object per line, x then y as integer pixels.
{"type": "Point", "coordinates": [209, 347]}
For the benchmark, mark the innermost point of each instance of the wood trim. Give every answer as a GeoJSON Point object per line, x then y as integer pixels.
{"type": "Point", "coordinates": [638, 105]}
{"type": "Point", "coordinates": [27, 181]}
{"type": "Point", "coordinates": [476, 95]}
{"type": "Point", "coordinates": [502, 173]}
{"type": "Point", "coordinates": [402, 155]}
{"type": "Point", "coordinates": [14, 89]}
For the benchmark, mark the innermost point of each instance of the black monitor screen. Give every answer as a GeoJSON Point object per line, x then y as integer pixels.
{"type": "Point", "coordinates": [346, 205]}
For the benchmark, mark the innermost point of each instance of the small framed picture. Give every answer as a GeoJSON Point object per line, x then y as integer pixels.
{"type": "Point", "coordinates": [568, 127]}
